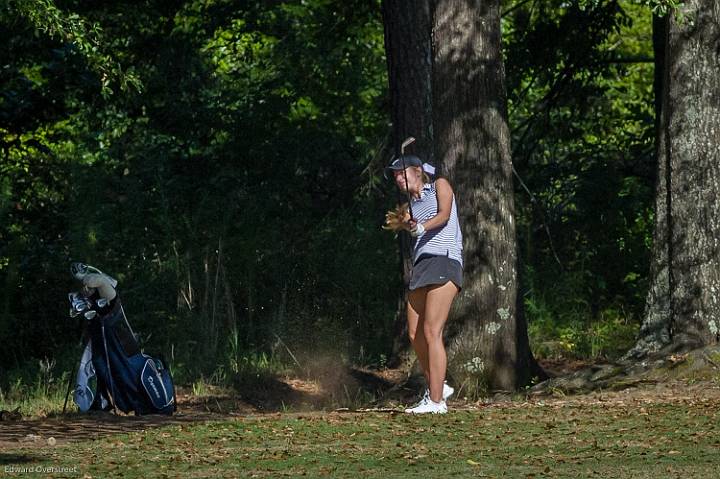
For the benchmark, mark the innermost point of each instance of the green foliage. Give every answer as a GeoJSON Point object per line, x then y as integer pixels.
{"type": "Point", "coordinates": [86, 38]}
{"type": "Point", "coordinates": [565, 326]}
{"type": "Point", "coordinates": [226, 195]}
{"type": "Point", "coordinates": [580, 79]}
{"type": "Point", "coordinates": [38, 388]}
{"type": "Point", "coordinates": [237, 194]}
{"type": "Point", "coordinates": [660, 7]}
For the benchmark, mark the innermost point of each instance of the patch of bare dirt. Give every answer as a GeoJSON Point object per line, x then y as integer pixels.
{"type": "Point", "coordinates": [269, 395]}
{"type": "Point", "coordinates": [44, 432]}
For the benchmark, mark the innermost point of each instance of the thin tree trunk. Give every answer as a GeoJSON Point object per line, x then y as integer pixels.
{"type": "Point", "coordinates": [488, 336]}
{"type": "Point", "coordinates": [408, 50]}
{"type": "Point", "coordinates": [655, 330]}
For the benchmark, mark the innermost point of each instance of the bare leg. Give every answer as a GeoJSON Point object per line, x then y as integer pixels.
{"type": "Point", "coordinates": [416, 320]}
{"type": "Point", "coordinates": [437, 307]}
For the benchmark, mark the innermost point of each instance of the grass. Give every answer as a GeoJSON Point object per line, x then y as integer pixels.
{"type": "Point", "coordinates": [36, 399]}
{"type": "Point", "coordinates": [629, 439]}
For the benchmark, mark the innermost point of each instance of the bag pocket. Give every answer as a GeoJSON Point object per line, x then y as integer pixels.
{"type": "Point", "coordinates": [158, 385]}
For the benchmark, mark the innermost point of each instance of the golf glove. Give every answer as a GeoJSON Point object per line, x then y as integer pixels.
{"type": "Point", "coordinates": [417, 230]}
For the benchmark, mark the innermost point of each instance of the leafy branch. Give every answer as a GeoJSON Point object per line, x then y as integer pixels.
{"type": "Point", "coordinates": [71, 28]}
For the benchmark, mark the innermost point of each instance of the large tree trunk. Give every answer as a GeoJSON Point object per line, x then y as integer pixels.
{"type": "Point", "coordinates": [683, 305]}
{"type": "Point", "coordinates": [408, 51]}
{"type": "Point", "coordinates": [487, 332]}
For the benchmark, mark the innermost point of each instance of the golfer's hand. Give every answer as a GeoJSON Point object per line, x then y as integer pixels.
{"type": "Point", "coordinates": [416, 229]}
{"type": "Point", "coordinates": [396, 219]}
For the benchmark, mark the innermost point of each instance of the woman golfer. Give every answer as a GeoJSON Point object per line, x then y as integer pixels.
{"type": "Point", "coordinates": [436, 273]}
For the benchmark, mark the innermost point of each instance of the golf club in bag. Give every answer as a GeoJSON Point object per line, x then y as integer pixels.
{"type": "Point", "coordinates": [113, 371]}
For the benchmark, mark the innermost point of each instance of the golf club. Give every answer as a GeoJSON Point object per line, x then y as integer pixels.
{"type": "Point", "coordinates": [408, 141]}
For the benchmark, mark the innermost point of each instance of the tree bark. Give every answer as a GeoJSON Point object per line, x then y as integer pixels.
{"type": "Point", "coordinates": [683, 305]}
{"type": "Point", "coordinates": [408, 51]}
{"type": "Point", "coordinates": [655, 330]}
{"type": "Point", "coordinates": [487, 332]}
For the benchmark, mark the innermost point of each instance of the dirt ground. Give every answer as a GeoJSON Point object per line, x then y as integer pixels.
{"type": "Point", "coordinates": [295, 396]}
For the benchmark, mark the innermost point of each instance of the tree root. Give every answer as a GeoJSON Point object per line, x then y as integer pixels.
{"type": "Point", "coordinates": [700, 364]}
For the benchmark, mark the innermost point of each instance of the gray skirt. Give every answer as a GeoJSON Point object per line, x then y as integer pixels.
{"type": "Point", "coordinates": [431, 269]}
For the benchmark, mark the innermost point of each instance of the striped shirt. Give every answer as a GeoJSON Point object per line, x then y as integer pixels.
{"type": "Point", "coordinates": [443, 241]}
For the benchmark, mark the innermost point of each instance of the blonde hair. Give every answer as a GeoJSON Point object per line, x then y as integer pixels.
{"type": "Point", "coordinates": [424, 176]}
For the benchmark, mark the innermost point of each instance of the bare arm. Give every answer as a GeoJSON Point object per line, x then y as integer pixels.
{"type": "Point", "coordinates": [444, 199]}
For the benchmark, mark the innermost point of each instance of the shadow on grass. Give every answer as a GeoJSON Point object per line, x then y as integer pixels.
{"type": "Point", "coordinates": [321, 390]}
{"type": "Point", "coordinates": [80, 427]}
{"type": "Point", "coordinates": [15, 459]}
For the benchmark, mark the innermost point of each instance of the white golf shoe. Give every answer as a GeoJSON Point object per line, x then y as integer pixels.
{"type": "Point", "coordinates": [447, 392]}
{"type": "Point", "coordinates": [428, 406]}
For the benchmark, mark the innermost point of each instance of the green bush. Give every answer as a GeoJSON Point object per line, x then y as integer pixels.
{"type": "Point", "coordinates": [571, 330]}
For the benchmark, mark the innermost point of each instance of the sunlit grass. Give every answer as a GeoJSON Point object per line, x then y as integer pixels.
{"type": "Point", "coordinates": [42, 395]}
{"type": "Point", "coordinates": [621, 439]}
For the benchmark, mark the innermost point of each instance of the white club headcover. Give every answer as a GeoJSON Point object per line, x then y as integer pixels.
{"type": "Point", "coordinates": [93, 278]}
{"type": "Point", "coordinates": [103, 283]}
{"type": "Point", "coordinates": [80, 270]}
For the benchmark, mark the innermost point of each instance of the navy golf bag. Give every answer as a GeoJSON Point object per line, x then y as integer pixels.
{"type": "Point", "coordinates": [126, 377]}
{"type": "Point", "coordinates": [113, 371]}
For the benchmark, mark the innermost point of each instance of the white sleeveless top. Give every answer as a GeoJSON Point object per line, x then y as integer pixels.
{"type": "Point", "coordinates": [443, 241]}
